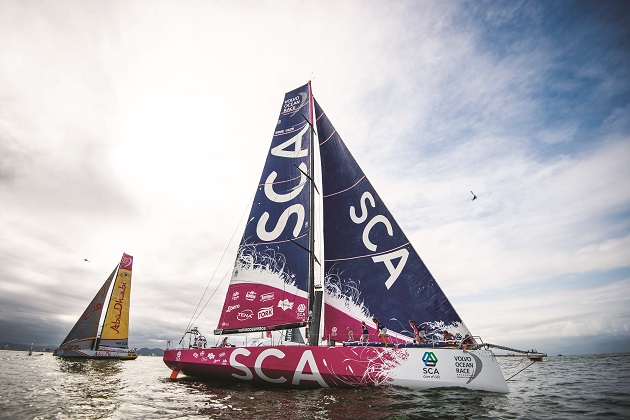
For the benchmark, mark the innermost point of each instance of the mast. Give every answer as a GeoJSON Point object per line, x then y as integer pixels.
{"type": "Point", "coordinates": [271, 287]}
{"type": "Point", "coordinates": [314, 297]}
{"type": "Point", "coordinates": [97, 342]}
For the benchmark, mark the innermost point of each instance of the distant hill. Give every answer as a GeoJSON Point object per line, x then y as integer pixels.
{"type": "Point", "coordinates": [150, 352]}
{"type": "Point", "coordinates": [13, 346]}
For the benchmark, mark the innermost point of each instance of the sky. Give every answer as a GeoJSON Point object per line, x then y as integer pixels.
{"type": "Point", "coordinates": [142, 127]}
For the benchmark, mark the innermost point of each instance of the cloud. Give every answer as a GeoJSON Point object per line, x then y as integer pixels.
{"type": "Point", "coordinates": [129, 128]}
{"type": "Point", "coordinates": [553, 313]}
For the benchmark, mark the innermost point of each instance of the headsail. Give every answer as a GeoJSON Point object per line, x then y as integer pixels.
{"type": "Point", "coordinates": [269, 285]}
{"type": "Point", "coordinates": [116, 325]}
{"type": "Point", "coordinates": [370, 267]}
{"type": "Point", "coordinates": [83, 334]}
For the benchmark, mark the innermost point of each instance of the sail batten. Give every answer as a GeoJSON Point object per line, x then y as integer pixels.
{"type": "Point", "coordinates": [374, 254]}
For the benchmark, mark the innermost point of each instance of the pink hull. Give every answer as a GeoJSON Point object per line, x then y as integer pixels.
{"type": "Point", "coordinates": [318, 367]}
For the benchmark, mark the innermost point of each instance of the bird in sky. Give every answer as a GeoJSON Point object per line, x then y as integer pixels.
{"type": "Point", "coordinates": [85, 259]}
{"type": "Point", "coordinates": [474, 196]}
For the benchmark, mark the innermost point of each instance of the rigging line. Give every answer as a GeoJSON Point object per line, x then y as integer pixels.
{"type": "Point", "coordinates": [305, 249]}
{"type": "Point", "coordinates": [520, 371]}
{"type": "Point", "coordinates": [309, 123]}
{"type": "Point", "coordinates": [309, 177]}
{"type": "Point", "coordinates": [215, 271]}
{"type": "Point", "coordinates": [280, 182]}
{"type": "Point", "coordinates": [272, 242]}
{"type": "Point", "coordinates": [211, 296]}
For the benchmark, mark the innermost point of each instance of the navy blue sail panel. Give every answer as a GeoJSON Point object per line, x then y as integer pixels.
{"type": "Point", "coordinates": [269, 284]}
{"type": "Point", "coordinates": [370, 267]}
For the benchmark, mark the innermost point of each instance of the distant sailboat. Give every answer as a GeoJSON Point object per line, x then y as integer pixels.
{"type": "Point", "coordinates": [369, 268]}
{"type": "Point", "coordinates": [83, 340]}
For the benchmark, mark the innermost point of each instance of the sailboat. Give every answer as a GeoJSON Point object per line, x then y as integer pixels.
{"type": "Point", "coordinates": [370, 275]}
{"type": "Point", "coordinates": [83, 340]}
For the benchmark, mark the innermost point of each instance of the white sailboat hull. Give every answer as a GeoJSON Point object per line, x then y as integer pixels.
{"type": "Point", "coordinates": [102, 353]}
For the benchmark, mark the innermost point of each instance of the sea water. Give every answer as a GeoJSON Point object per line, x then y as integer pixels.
{"type": "Point", "coordinates": [46, 387]}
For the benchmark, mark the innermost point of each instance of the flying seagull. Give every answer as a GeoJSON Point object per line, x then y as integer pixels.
{"type": "Point", "coordinates": [474, 196]}
{"type": "Point", "coordinates": [85, 259]}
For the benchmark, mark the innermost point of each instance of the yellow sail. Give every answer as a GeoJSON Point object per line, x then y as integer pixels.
{"type": "Point", "coordinates": [115, 331]}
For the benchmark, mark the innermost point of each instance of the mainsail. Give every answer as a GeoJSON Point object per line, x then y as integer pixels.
{"type": "Point", "coordinates": [269, 286]}
{"type": "Point", "coordinates": [370, 267]}
{"type": "Point", "coordinates": [115, 331]}
{"type": "Point", "coordinates": [83, 334]}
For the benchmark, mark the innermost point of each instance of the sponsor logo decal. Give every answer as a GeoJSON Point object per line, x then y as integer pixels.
{"type": "Point", "coordinates": [266, 296]}
{"type": "Point", "coordinates": [285, 304]}
{"type": "Point", "coordinates": [251, 295]}
{"type": "Point", "coordinates": [118, 306]}
{"type": "Point", "coordinates": [464, 366]}
{"type": "Point", "coordinates": [231, 308]}
{"type": "Point", "coordinates": [430, 362]}
{"type": "Point", "coordinates": [127, 261]}
{"type": "Point", "coordinates": [429, 358]}
{"type": "Point", "coordinates": [265, 312]}
{"type": "Point", "coordinates": [468, 366]}
{"type": "Point", "coordinates": [301, 309]}
{"type": "Point", "coordinates": [293, 104]}
{"type": "Point", "coordinates": [245, 315]}
{"type": "Point", "coordinates": [235, 295]}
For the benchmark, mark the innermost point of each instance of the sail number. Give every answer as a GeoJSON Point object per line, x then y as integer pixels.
{"type": "Point", "coordinates": [291, 148]}
{"type": "Point", "coordinates": [305, 370]}
{"type": "Point", "coordinates": [388, 258]}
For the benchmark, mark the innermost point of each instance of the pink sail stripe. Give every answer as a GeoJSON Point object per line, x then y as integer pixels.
{"type": "Point", "coordinates": [349, 188]}
{"type": "Point", "coordinates": [329, 137]}
{"type": "Point", "coordinates": [369, 255]}
{"type": "Point", "coordinates": [292, 130]}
